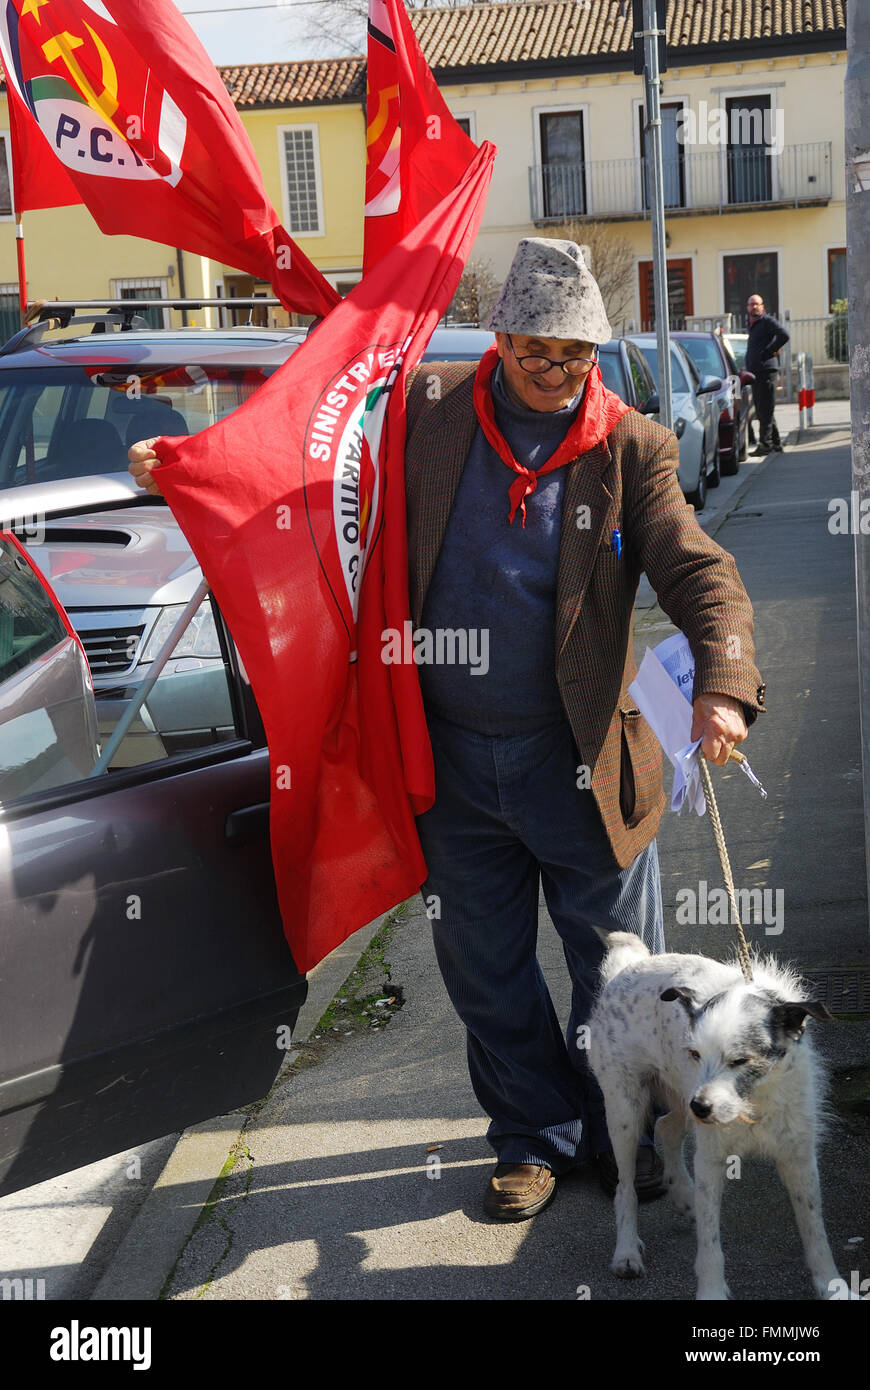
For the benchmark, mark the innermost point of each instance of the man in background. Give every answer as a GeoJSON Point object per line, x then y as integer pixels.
{"type": "Point", "coordinates": [766, 337]}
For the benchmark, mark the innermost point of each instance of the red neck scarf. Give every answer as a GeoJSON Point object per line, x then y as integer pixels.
{"type": "Point", "coordinates": [595, 417]}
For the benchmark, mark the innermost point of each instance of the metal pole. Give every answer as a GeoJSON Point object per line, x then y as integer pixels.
{"type": "Point", "coordinates": [22, 273]}
{"type": "Point", "coordinates": [144, 690]}
{"type": "Point", "coordinates": [857, 94]}
{"type": "Point", "coordinates": [653, 146]}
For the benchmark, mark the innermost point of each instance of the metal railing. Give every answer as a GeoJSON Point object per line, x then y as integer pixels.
{"type": "Point", "coordinates": [715, 181]}
{"type": "Point", "coordinates": [824, 338]}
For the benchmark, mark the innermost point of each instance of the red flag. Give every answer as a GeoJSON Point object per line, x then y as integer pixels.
{"type": "Point", "coordinates": [415, 151]}
{"type": "Point", "coordinates": [295, 507]}
{"type": "Point", "coordinates": [115, 104]}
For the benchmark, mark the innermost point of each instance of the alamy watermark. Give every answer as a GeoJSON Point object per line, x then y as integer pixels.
{"type": "Point", "coordinates": [756, 906]}
{"type": "Point", "coordinates": [740, 127]}
{"type": "Point", "coordinates": [443, 646]}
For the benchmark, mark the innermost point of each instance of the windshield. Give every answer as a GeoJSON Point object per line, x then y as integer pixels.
{"type": "Point", "coordinates": [678, 375]}
{"type": "Point", "coordinates": [738, 349]}
{"type": "Point", "coordinates": [69, 422]}
{"type": "Point", "coordinates": [705, 355]}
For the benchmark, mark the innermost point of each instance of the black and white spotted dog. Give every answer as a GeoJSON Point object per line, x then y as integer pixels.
{"type": "Point", "coordinates": [730, 1058]}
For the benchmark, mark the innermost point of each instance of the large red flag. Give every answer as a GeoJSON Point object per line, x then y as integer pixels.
{"type": "Point", "coordinates": [115, 104]}
{"type": "Point", "coordinates": [415, 150]}
{"type": "Point", "coordinates": [295, 507]}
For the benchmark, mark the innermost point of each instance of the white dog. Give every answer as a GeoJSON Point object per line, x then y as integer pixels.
{"type": "Point", "coordinates": [728, 1054]}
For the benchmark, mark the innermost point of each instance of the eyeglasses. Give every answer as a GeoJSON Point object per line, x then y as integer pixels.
{"type": "Point", "coordinates": [575, 366]}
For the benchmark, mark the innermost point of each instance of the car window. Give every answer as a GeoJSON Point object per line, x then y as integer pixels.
{"type": "Point", "coordinates": [48, 734]}
{"type": "Point", "coordinates": [704, 353]}
{"type": "Point", "coordinates": [730, 361]}
{"type": "Point", "coordinates": [737, 344]}
{"type": "Point", "coordinates": [29, 624]}
{"type": "Point", "coordinates": [689, 366]}
{"type": "Point", "coordinates": [611, 374]}
{"type": "Point", "coordinates": [69, 422]}
{"type": "Point", "coordinates": [678, 375]}
{"type": "Point", "coordinates": [643, 383]}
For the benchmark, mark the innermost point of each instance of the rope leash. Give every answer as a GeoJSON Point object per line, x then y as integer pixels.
{"type": "Point", "coordinates": [719, 836]}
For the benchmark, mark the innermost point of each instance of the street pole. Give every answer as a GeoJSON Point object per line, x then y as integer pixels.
{"type": "Point", "coordinates": [857, 93]}
{"type": "Point", "coordinates": [653, 147]}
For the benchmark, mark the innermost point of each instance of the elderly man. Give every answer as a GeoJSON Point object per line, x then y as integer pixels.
{"type": "Point", "coordinates": [535, 499]}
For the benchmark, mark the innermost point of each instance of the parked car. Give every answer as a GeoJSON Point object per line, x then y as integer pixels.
{"type": "Point", "coordinates": [146, 977]}
{"type": "Point", "coordinates": [458, 344]}
{"type": "Point", "coordinates": [696, 419]}
{"type": "Point", "coordinates": [736, 344]}
{"type": "Point", "coordinates": [713, 357]}
{"type": "Point", "coordinates": [625, 370]}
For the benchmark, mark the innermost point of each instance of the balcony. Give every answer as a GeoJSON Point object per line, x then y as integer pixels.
{"type": "Point", "coordinates": [734, 179]}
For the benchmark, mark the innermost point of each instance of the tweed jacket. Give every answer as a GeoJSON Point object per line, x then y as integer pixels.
{"type": "Point", "coordinates": [628, 482]}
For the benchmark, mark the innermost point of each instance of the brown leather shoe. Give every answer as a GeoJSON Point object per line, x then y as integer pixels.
{"type": "Point", "coordinates": [518, 1190]}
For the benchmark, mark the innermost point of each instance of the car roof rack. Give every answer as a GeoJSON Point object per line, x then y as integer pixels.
{"type": "Point", "coordinates": [120, 315]}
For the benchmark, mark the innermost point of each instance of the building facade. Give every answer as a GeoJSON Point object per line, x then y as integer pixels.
{"type": "Point", "coordinates": [752, 133]}
{"type": "Point", "coordinates": [753, 139]}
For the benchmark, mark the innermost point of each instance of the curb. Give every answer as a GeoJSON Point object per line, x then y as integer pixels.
{"type": "Point", "coordinates": [165, 1220]}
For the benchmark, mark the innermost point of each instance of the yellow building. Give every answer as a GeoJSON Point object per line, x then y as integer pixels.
{"type": "Point", "coordinates": [306, 122]}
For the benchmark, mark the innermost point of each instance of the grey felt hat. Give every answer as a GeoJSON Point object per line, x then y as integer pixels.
{"type": "Point", "coordinates": [550, 292]}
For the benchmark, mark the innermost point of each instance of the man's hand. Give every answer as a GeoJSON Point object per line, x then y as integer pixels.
{"type": "Point", "coordinates": [718, 721]}
{"type": "Point", "coordinates": [142, 459]}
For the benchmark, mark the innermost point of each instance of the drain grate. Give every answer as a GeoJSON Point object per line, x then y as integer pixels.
{"type": "Point", "coordinates": [842, 991]}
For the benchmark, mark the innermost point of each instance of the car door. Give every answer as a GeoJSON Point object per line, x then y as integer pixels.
{"type": "Point", "coordinates": [145, 980]}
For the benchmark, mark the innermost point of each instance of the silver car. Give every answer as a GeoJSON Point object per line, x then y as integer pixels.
{"type": "Point", "coordinates": [696, 419]}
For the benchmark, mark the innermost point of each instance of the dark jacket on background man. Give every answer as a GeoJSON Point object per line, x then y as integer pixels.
{"type": "Point", "coordinates": [766, 336]}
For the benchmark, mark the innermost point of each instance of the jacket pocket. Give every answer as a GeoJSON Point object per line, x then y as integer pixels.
{"type": "Point", "coordinates": [637, 789]}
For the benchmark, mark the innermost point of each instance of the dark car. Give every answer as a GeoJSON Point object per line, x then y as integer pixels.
{"type": "Point", "coordinates": [145, 980]}
{"type": "Point", "coordinates": [712, 357]}
{"type": "Point", "coordinates": [625, 370]}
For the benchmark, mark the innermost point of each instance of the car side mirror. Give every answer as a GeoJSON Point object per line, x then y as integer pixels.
{"type": "Point", "coordinates": [709, 384]}
{"type": "Point", "coordinates": [652, 405]}
{"type": "Point", "coordinates": [747, 378]}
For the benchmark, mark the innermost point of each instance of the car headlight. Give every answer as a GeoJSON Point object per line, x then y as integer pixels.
{"type": "Point", "coordinates": [679, 427]}
{"type": "Point", "coordinates": [200, 637]}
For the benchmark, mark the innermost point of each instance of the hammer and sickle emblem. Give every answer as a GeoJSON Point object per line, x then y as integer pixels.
{"type": "Point", "coordinates": [106, 102]}
{"type": "Point", "coordinates": [386, 96]}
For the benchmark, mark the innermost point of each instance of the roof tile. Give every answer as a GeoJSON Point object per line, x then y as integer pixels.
{"type": "Point", "coordinates": [500, 32]}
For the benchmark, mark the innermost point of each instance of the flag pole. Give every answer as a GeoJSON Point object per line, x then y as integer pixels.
{"type": "Point", "coordinates": [22, 275]}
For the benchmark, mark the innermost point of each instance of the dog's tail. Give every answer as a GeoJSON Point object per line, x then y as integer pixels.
{"type": "Point", "coordinates": [623, 948]}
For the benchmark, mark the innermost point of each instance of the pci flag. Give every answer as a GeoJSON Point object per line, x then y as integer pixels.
{"type": "Point", "coordinates": [295, 507]}
{"type": "Point", "coordinates": [115, 104]}
{"type": "Point", "coordinates": [415, 150]}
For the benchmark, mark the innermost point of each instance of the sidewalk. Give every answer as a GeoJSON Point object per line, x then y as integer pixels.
{"type": "Point", "coordinates": [336, 1189]}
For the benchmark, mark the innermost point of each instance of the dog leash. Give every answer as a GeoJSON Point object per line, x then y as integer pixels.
{"type": "Point", "coordinates": [719, 836]}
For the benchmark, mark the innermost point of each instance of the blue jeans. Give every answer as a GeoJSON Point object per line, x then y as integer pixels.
{"type": "Point", "coordinates": [508, 815]}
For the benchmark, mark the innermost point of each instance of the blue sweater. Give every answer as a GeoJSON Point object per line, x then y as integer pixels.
{"type": "Point", "coordinates": [496, 583]}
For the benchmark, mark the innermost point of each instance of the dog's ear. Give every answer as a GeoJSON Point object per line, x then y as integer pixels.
{"type": "Point", "coordinates": [685, 996]}
{"type": "Point", "coordinates": [792, 1018]}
